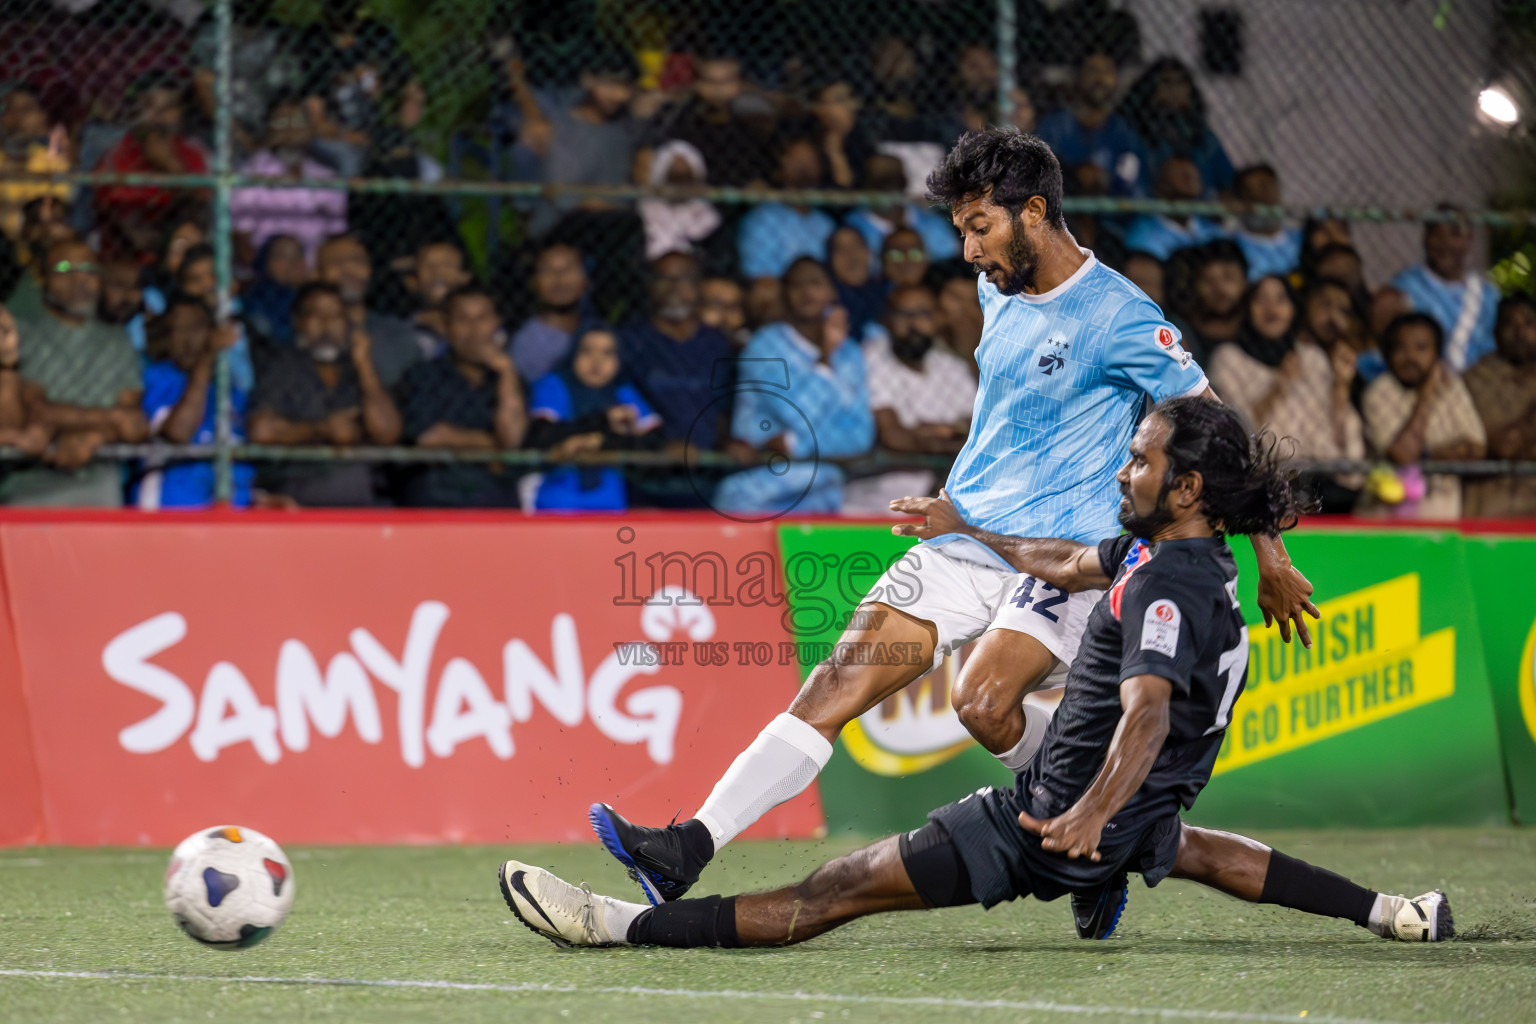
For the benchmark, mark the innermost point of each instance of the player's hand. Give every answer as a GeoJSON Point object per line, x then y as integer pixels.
{"type": "Point", "coordinates": [1285, 597]}
{"type": "Point", "coordinates": [1075, 833]}
{"type": "Point", "coordinates": [939, 517]}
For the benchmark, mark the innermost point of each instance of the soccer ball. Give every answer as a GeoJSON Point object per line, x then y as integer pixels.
{"type": "Point", "coordinates": [229, 887]}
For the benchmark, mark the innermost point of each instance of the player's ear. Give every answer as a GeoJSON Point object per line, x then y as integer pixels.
{"type": "Point", "coordinates": [1034, 211]}
{"type": "Point", "coordinates": [1189, 489]}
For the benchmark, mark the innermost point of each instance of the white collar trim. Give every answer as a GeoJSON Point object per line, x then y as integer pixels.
{"type": "Point", "coordinates": [1061, 289]}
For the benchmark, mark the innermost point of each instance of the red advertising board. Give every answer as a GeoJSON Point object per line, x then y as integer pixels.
{"type": "Point", "coordinates": [391, 679]}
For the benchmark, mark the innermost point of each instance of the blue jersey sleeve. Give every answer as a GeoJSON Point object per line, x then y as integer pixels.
{"type": "Point", "coordinates": [1144, 353]}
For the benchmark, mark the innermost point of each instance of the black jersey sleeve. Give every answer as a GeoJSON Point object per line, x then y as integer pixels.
{"type": "Point", "coordinates": [1159, 623]}
{"type": "Point", "coordinates": [1112, 552]}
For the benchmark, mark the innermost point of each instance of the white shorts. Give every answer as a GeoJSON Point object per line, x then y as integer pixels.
{"type": "Point", "coordinates": [965, 598]}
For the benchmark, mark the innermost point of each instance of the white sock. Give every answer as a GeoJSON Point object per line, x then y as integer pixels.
{"type": "Point", "coordinates": [612, 917]}
{"type": "Point", "coordinates": [1375, 922]}
{"type": "Point", "coordinates": [1036, 719]}
{"type": "Point", "coordinates": [778, 765]}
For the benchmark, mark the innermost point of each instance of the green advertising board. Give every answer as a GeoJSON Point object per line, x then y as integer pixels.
{"type": "Point", "coordinates": [1501, 570]}
{"type": "Point", "coordinates": [1387, 721]}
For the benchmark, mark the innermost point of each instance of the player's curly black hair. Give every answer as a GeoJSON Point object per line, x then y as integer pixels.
{"type": "Point", "coordinates": [1247, 487]}
{"type": "Point", "coordinates": [1014, 165]}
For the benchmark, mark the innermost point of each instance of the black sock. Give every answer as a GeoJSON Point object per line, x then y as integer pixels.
{"type": "Point", "coordinates": [697, 841]}
{"type": "Point", "coordinates": [1301, 886]}
{"type": "Point", "coordinates": [686, 924]}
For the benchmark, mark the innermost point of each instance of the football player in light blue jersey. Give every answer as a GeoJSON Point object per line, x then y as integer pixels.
{"type": "Point", "coordinates": [1069, 357]}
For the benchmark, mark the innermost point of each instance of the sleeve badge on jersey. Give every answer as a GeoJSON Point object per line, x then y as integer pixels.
{"type": "Point", "coordinates": [1169, 345]}
{"type": "Point", "coordinates": [1160, 628]}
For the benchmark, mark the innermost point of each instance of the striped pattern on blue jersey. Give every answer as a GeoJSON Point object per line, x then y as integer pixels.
{"type": "Point", "coordinates": [1064, 376]}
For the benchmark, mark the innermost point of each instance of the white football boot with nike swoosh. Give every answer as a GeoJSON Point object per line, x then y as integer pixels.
{"type": "Point", "coordinates": [565, 914]}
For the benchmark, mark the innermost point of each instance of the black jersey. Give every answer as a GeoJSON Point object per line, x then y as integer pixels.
{"type": "Point", "coordinates": [1171, 611]}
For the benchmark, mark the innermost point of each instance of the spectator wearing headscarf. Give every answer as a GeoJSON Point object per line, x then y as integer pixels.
{"type": "Point", "coordinates": [1279, 374]}
{"type": "Point", "coordinates": [587, 405]}
{"type": "Point", "coordinates": [280, 270]}
{"type": "Point", "coordinates": [676, 225]}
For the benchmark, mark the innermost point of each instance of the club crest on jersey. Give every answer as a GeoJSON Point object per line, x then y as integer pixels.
{"type": "Point", "coordinates": [1138, 556]}
{"type": "Point", "coordinates": [1169, 345]}
{"type": "Point", "coordinates": [1056, 358]}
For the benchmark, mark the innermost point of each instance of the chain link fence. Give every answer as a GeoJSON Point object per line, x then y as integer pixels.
{"type": "Point", "coordinates": [453, 252]}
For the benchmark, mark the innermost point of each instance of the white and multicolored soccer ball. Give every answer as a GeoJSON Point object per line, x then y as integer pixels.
{"type": "Point", "coordinates": [229, 887]}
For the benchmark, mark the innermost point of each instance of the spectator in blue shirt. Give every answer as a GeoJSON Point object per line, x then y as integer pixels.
{"type": "Point", "coordinates": [1165, 108]}
{"type": "Point", "coordinates": [586, 406]}
{"type": "Point", "coordinates": [885, 173]}
{"type": "Point", "coordinates": [801, 394]}
{"type": "Point", "coordinates": [860, 288]}
{"type": "Point", "coordinates": [181, 405]}
{"type": "Point", "coordinates": [1464, 302]}
{"type": "Point", "coordinates": [1088, 131]}
{"type": "Point", "coordinates": [1270, 247]}
{"type": "Point", "coordinates": [196, 278]}
{"type": "Point", "coordinates": [1163, 235]}
{"type": "Point", "coordinates": [774, 235]}
{"type": "Point", "coordinates": [681, 365]}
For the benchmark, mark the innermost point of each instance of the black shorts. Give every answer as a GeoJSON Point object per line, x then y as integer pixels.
{"type": "Point", "coordinates": [974, 851]}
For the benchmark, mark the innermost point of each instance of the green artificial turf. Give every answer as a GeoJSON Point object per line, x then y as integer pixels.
{"type": "Point", "coordinates": [429, 914]}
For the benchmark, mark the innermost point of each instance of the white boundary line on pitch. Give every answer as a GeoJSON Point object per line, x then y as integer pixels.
{"type": "Point", "coordinates": [533, 988]}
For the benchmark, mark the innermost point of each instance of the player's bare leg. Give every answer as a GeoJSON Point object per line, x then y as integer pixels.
{"type": "Point", "coordinates": [872, 880]}
{"type": "Point", "coordinates": [781, 762]}
{"type": "Point", "coordinates": [1249, 870]}
{"type": "Point", "coordinates": [835, 694]}
{"type": "Point", "coordinates": [988, 696]}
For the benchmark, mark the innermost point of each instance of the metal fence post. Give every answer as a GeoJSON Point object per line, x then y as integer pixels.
{"type": "Point", "coordinates": [223, 464]}
{"type": "Point", "coordinates": [1007, 56]}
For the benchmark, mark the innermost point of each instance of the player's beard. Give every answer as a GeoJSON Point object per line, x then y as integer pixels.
{"type": "Point", "coordinates": [1023, 262]}
{"type": "Point", "coordinates": [1148, 525]}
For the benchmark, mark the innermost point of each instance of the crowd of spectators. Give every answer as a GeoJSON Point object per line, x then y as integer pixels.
{"type": "Point", "coordinates": [787, 334]}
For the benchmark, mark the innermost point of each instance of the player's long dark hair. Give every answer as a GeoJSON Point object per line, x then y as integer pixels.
{"type": "Point", "coordinates": [1016, 166]}
{"type": "Point", "coordinates": [1247, 488]}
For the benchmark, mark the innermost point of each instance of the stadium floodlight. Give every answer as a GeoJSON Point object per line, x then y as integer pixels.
{"type": "Point", "coordinates": [1497, 105]}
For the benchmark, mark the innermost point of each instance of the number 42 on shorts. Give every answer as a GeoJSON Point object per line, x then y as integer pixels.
{"type": "Point", "coordinates": [1040, 595]}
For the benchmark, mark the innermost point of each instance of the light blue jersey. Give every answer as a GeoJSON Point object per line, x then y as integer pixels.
{"type": "Point", "coordinates": [1064, 376]}
{"type": "Point", "coordinates": [1467, 311]}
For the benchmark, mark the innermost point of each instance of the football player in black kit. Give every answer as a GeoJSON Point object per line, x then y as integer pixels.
{"type": "Point", "coordinates": [1134, 741]}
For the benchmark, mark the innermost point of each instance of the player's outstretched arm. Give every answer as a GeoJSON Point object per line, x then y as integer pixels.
{"type": "Point", "coordinates": [1285, 595]}
{"type": "Point", "coordinates": [1138, 738]}
{"type": "Point", "coordinates": [1061, 563]}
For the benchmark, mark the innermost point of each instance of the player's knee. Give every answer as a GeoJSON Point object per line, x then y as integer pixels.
{"type": "Point", "coordinates": [986, 709]}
